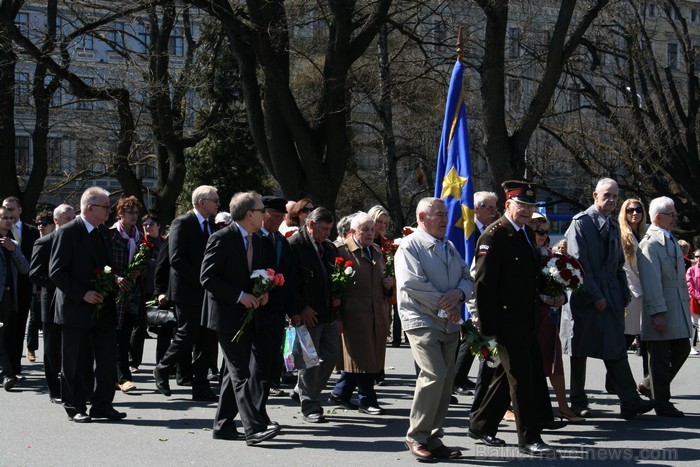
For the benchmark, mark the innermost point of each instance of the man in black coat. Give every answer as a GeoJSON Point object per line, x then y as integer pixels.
{"type": "Point", "coordinates": [188, 237]}
{"type": "Point", "coordinates": [314, 257]}
{"type": "Point", "coordinates": [25, 235]}
{"type": "Point", "coordinates": [507, 284]}
{"type": "Point", "coordinates": [271, 324]}
{"type": "Point", "coordinates": [39, 275]}
{"type": "Point", "coordinates": [87, 316]}
{"type": "Point", "coordinates": [231, 256]}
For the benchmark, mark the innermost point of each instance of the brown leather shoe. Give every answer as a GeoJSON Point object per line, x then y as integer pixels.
{"type": "Point", "coordinates": [31, 356]}
{"type": "Point", "coordinates": [443, 452]}
{"type": "Point", "coordinates": [420, 451]}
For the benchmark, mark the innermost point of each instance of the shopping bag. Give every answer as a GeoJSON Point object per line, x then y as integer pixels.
{"type": "Point", "coordinates": [299, 352]}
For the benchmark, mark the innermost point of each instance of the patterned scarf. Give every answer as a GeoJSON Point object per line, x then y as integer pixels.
{"type": "Point", "coordinates": [133, 237]}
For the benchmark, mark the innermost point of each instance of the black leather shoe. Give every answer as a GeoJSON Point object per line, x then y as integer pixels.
{"type": "Point", "coordinates": [56, 400]}
{"type": "Point", "coordinates": [645, 391]}
{"type": "Point", "coordinates": [462, 391]}
{"type": "Point", "coordinates": [162, 383]}
{"type": "Point", "coordinates": [454, 400]}
{"type": "Point", "coordinates": [81, 418]}
{"type": "Point", "coordinates": [486, 439]}
{"type": "Point", "coordinates": [636, 407]}
{"type": "Point", "coordinates": [371, 409]}
{"type": "Point", "coordinates": [581, 411]}
{"type": "Point", "coordinates": [554, 425]}
{"type": "Point", "coordinates": [669, 411]}
{"type": "Point", "coordinates": [205, 396]}
{"type": "Point", "coordinates": [278, 392]}
{"type": "Point", "coordinates": [269, 433]}
{"type": "Point", "coordinates": [108, 413]}
{"type": "Point", "coordinates": [8, 383]}
{"type": "Point", "coordinates": [314, 417]}
{"type": "Point", "coordinates": [343, 403]}
{"type": "Point", "coordinates": [443, 452]}
{"type": "Point", "coordinates": [538, 450]}
{"type": "Point", "coordinates": [230, 435]}
{"type": "Point", "coordinates": [295, 396]}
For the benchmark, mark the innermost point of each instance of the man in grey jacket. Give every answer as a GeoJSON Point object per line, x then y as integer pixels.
{"type": "Point", "coordinates": [594, 323]}
{"type": "Point", "coordinates": [432, 281]}
{"type": "Point", "coordinates": [666, 326]}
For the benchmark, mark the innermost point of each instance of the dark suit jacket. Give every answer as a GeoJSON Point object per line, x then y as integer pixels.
{"type": "Point", "coordinates": [283, 300]}
{"type": "Point", "coordinates": [186, 245]}
{"type": "Point", "coordinates": [225, 275]}
{"type": "Point", "coordinates": [30, 235]}
{"type": "Point", "coordinates": [507, 281]}
{"type": "Point", "coordinates": [314, 277]}
{"type": "Point", "coordinates": [161, 275]}
{"type": "Point", "coordinates": [39, 275]}
{"type": "Point", "coordinates": [73, 268]}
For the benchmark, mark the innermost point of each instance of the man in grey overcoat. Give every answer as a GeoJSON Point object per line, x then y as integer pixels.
{"type": "Point", "coordinates": [666, 326]}
{"type": "Point", "coordinates": [593, 325]}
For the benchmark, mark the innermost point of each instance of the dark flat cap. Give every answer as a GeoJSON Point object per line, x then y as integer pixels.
{"type": "Point", "coordinates": [275, 202]}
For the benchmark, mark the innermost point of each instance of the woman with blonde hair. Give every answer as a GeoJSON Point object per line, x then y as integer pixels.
{"type": "Point", "coordinates": [633, 226]}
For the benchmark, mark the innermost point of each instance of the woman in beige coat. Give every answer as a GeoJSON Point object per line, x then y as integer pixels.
{"type": "Point", "coordinates": [364, 318]}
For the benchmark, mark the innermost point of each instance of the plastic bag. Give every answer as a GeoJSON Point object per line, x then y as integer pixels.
{"type": "Point", "coordinates": [299, 351]}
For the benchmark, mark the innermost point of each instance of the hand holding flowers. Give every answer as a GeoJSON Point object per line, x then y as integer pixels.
{"type": "Point", "coordinates": [343, 275]}
{"type": "Point", "coordinates": [264, 280]}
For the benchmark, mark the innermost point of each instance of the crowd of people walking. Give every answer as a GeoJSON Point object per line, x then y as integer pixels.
{"type": "Point", "coordinates": [92, 288]}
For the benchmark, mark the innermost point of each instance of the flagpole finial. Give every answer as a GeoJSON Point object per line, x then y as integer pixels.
{"type": "Point", "coordinates": [459, 44]}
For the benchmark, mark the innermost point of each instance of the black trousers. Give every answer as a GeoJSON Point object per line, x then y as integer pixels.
{"type": "Point", "coordinates": [520, 379]}
{"type": "Point", "coordinates": [618, 376]}
{"type": "Point", "coordinates": [190, 340]}
{"type": "Point", "coordinates": [483, 381]}
{"type": "Point", "coordinates": [465, 358]}
{"type": "Point", "coordinates": [267, 351]}
{"type": "Point", "coordinates": [138, 338]}
{"type": "Point", "coordinates": [52, 358]}
{"type": "Point", "coordinates": [34, 323]}
{"type": "Point", "coordinates": [76, 343]}
{"type": "Point", "coordinates": [665, 360]}
{"type": "Point", "coordinates": [241, 389]}
{"type": "Point", "coordinates": [124, 347]}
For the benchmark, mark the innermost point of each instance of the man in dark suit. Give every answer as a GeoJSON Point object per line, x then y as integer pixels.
{"type": "Point", "coordinates": [12, 264]}
{"type": "Point", "coordinates": [314, 256]}
{"type": "Point", "coordinates": [270, 325]}
{"type": "Point", "coordinates": [39, 275]}
{"type": "Point", "coordinates": [188, 237]}
{"type": "Point", "coordinates": [25, 235]}
{"type": "Point", "coordinates": [507, 283]}
{"type": "Point", "coordinates": [87, 316]}
{"type": "Point", "coordinates": [231, 256]}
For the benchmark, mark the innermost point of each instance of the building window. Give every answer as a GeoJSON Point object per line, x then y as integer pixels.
{"type": "Point", "coordinates": [22, 154]}
{"type": "Point", "coordinates": [513, 42]}
{"type": "Point", "coordinates": [672, 55]}
{"type": "Point", "coordinates": [54, 155]}
{"type": "Point", "coordinates": [22, 23]}
{"type": "Point", "coordinates": [145, 37]}
{"type": "Point", "coordinates": [86, 42]}
{"type": "Point", "coordinates": [116, 36]}
{"type": "Point", "coordinates": [84, 104]}
{"type": "Point", "coordinates": [514, 94]}
{"type": "Point", "coordinates": [651, 10]}
{"type": "Point", "coordinates": [439, 34]}
{"type": "Point", "coordinates": [22, 89]}
{"type": "Point", "coordinates": [694, 17]}
{"type": "Point", "coordinates": [176, 44]}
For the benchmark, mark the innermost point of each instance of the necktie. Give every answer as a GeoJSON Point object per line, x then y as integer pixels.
{"type": "Point", "coordinates": [368, 252]}
{"type": "Point", "coordinates": [523, 237]}
{"type": "Point", "coordinates": [271, 236]}
{"type": "Point", "coordinates": [320, 250]}
{"type": "Point", "coordinates": [249, 251]}
{"type": "Point", "coordinates": [15, 234]}
{"type": "Point", "coordinates": [205, 230]}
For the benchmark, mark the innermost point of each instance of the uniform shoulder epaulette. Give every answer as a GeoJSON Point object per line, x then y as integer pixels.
{"type": "Point", "coordinates": [494, 227]}
{"type": "Point", "coordinates": [579, 215]}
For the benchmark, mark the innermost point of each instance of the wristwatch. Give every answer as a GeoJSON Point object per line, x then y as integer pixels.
{"type": "Point", "coordinates": [462, 296]}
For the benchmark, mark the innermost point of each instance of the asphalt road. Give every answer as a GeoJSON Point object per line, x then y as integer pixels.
{"type": "Point", "coordinates": [176, 431]}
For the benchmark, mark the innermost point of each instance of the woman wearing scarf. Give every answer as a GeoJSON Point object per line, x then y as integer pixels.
{"type": "Point", "coordinates": [125, 238]}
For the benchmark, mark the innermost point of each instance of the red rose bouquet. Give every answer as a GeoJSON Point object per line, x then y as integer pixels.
{"type": "Point", "coordinates": [561, 273]}
{"type": "Point", "coordinates": [343, 275]}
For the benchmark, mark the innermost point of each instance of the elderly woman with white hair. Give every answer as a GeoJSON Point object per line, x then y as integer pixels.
{"type": "Point", "coordinates": [364, 319]}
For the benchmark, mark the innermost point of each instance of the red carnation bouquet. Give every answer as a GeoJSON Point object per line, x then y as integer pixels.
{"type": "Point", "coordinates": [264, 280]}
{"type": "Point", "coordinates": [343, 275]}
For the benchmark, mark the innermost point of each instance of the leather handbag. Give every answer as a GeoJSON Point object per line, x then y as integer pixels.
{"type": "Point", "coordinates": [158, 316]}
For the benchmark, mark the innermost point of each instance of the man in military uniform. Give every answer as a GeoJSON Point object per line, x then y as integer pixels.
{"type": "Point", "coordinates": [507, 271]}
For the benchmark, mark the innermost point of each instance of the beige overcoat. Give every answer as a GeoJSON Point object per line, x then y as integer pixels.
{"type": "Point", "coordinates": [364, 312]}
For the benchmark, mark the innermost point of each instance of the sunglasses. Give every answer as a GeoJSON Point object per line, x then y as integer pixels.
{"type": "Point", "coordinates": [307, 209]}
{"type": "Point", "coordinates": [41, 223]}
{"type": "Point", "coordinates": [638, 210]}
{"type": "Point", "coordinates": [542, 232]}
{"type": "Point", "coordinates": [149, 224]}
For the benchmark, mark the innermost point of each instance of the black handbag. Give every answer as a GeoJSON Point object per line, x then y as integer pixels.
{"type": "Point", "coordinates": [157, 316]}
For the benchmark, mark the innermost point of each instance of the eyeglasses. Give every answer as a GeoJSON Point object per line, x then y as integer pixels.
{"type": "Point", "coordinates": [7, 218]}
{"type": "Point", "coordinates": [258, 209]}
{"type": "Point", "coordinates": [490, 208]}
{"type": "Point", "coordinates": [670, 214]}
{"type": "Point", "coordinates": [307, 209]}
{"type": "Point", "coordinates": [638, 210]}
{"type": "Point", "coordinates": [108, 207]}
{"type": "Point", "coordinates": [542, 232]}
{"type": "Point", "coordinates": [213, 200]}
{"type": "Point", "coordinates": [133, 212]}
